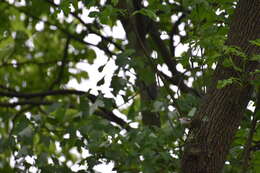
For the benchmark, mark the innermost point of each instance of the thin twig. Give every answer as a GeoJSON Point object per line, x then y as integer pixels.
{"type": "Point", "coordinates": [75, 37]}
{"type": "Point", "coordinates": [75, 15]}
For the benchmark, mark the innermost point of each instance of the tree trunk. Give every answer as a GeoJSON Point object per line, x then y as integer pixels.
{"type": "Point", "coordinates": [135, 27]}
{"type": "Point", "coordinates": [220, 114]}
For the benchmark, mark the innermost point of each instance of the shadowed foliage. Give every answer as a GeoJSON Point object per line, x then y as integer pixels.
{"type": "Point", "coordinates": [182, 93]}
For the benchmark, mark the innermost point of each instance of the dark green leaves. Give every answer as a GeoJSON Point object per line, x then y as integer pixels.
{"type": "Point", "coordinates": [146, 12]}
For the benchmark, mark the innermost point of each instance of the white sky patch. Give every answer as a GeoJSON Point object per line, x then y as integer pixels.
{"type": "Point", "coordinates": [118, 31]}
{"type": "Point", "coordinates": [39, 26]}
{"type": "Point", "coordinates": [69, 19]}
{"type": "Point", "coordinates": [92, 38]}
{"type": "Point", "coordinates": [181, 28]}
{"type": "Point", "coordinates": [57, 1]}
{"type": "Point", "coordinates": [164, 69]}
{"type": "Point", "coordinates": [77, 167]}
{"type": "Point", "coordinates": [180, 68]}
{"type": "Point", "coordinates": [176, 39]}
{"type": "Point", "coordinates": [174, 18]}
{"type": "Point", "coordinates": [61, 16]}
{"type": "Point", "coordinates": [119, 114]}
{"type": "Point", "coordinates": [251, 106]}
{"type": "Point", "coordinates": [19, 3]}
{"type": "Point", "coordinates": [85, 153]}
{"type": "Point", "coordinates": [189, 82]}
{"type": "Point", "coordinates": [106, 168]}
{"type": "Point", "coordinates": [180, 49]}
{"type": "Point", "coordinates": [164, 36]}
{"type": "Point", "coordinates": [85, 13]}
{"type": "Point", "coordinates": [154, 55]}
{"type": "Point", "coordinates": [107, 31]}
{"type": "Point", "coordinates": [95, 75]}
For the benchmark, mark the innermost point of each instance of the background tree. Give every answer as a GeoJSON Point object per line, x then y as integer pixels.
{"type": "Point", "coordinates": [180, 112]}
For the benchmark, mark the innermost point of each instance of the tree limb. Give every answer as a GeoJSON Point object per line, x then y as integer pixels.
{"type": "Point", "coordinates": [45, 93]}
{"type": "Point", "coordinates": [175, 31]}
{"type": "Point", "coordinates": [183, 88]}
{"type": "Point", "coordinates": [22, 103]}
{"type": "Point", "coordinates": [89, 27]}
{"type": "Point", "coordinates": [248, 145]}
{"type": "Point", "coordinates": [63, 64]}
{"type": "Point", "coordinates": [177, 77]}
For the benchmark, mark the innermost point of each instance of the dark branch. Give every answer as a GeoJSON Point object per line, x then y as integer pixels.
{"type": "Point", "coordinates": [248, 145]}
{"type": "Point", "coordinates": [183, 88]}
{"type": "Point", "coordinates": [170, 62]}
{"type": "Point", "coordinates": [7, 88]}
{"type": "Point", "coordinates": [109, 115]}
{"type": "Point", "coordinates": [22, 103]}
{"type": "Point", "coordinates": [89, 27]}
{"type": "Point", "coordinates": [63, 65]}
{"type": "Point", "coordinates": [177, 77]}
{"type": "Point", "coordinates": [75, 37]}
{"type": "Point", "coordinates": [44, 94]}
{"type": "Point", "coordinates": [34, 62]}
{"type": "Point", "coordinates": [175, 31]}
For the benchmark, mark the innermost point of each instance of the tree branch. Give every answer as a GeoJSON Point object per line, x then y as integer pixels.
{"type": "Point", "coordinates": [107, 114]}
{"type": "Point", "coordinates": [22, 103]}
{"type": "Point", "coordinates": [177, 78]}
{"type": "Point", "coordinates": [248, 145]}
{"type": "Point", "coordinates": [75, 37]}
{"type": "Point", "coordinates": [43, 94]}
{"type": "Point", "coordinates": [63, 64]}
{"type": "Point", "coordinates": [183, 88]}
{"type": "Point", "coordinates": [175, 31]}
{"type": "Point", "coordinates": [89, 27]}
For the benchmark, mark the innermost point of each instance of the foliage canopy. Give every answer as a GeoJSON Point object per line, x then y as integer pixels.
{"type": "Point", "coordinates": [163, 68]}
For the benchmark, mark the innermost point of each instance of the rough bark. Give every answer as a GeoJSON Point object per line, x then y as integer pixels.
{"type": "Point", "coordinates": [221, 112]}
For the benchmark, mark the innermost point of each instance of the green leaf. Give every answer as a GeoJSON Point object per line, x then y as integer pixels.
{"type": "Point", "coordinates": [42, 160]}
{"type": "Point", "coordinates": [84, 105]}
{"type": "Point", "coordinates": [146, 12]}
{"type": "Point", "coordinates": [26, 132]}
{"type": "Point", "coordinates": [101, 81]}
{"type": "Point", "coordinates": [91, 55]}
{"type": "Point", "coordinates": [94, 14]}
{"type": "Point", "coordinates": [54, 107]}
{"type": "Point", "coordinates": [101, 68]}
{"type": "Point", "coordinates": [24, 151]}
{"type": "Point", "coordinates": [123, 58]}
{"type": "Point", "coordinates": [255, 58]}
{"type": "Point", "coordinates": [158, 106]}
{"type": "Point", "coordinates": [226, 82]}
{"type": "Point", "coordinates": [255, 42]}
{"type": "Point", "coordinates": [75, 4]}
{"type": "Point", "coordinates": [22, 123]}
{"type": "Point", "coordinates": [192, 112]}
{"type": "Point", "coordinates": [65, 6]}
{"type": "Point", "coordinates": [114, 2]}
{"type": "Point", "coordinates": [117, 83]}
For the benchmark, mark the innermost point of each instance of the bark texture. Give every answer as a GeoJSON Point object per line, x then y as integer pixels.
{"type": "Point", "coordinates": [221, 112]}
